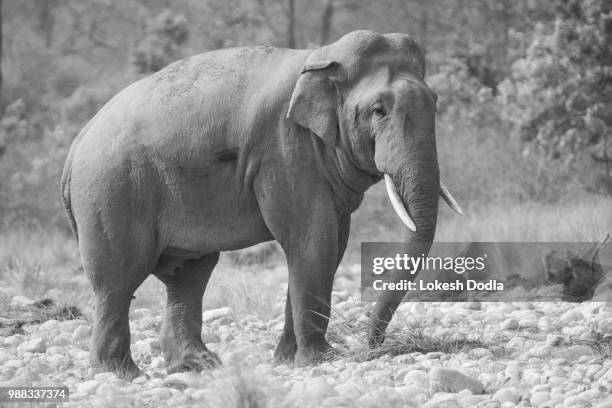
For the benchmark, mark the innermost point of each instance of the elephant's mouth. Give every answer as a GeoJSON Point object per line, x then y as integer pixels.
{"type": "Point", "coordinates": [402, 211]}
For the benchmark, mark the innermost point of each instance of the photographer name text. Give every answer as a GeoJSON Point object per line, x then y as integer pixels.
{"type": "Point", "coordinates": [436, 286]}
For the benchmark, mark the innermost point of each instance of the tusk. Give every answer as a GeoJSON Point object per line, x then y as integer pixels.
{"type": "Point", "coordinates": [396, 202]}
{"type": "Point", "coordinates": [446, 195]}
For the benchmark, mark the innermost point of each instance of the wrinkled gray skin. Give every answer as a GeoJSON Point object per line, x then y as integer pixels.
{"type": "Point", "coordinates": [234, 147]}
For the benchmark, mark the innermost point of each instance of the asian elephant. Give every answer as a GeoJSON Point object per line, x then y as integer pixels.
{"type": "Point", "coordinates": [229, 148]}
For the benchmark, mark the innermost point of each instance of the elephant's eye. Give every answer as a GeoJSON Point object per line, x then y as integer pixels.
{"type": "Point", "coordinates": [379, 112]}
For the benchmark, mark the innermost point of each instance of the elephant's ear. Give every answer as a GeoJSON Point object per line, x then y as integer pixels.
{"type": "Point", "coordinates": [314, 102]}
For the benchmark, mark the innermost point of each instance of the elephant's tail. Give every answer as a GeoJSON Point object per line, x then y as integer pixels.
{"type": "Point", "coordinates": [66, 178]}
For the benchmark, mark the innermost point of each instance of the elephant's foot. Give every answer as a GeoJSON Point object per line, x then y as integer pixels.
{"type": "Point", "coordinates": [192, 359]}
{"type": "Point", "coordinates": [315, 354]}
{"type": "Point", "coordinates": [376, 339]}
{"type": "Point", "coordinates": [110, 340]}
{"type": "Point", "coordinates": [286, 349]}
{"type": "Point", "coordinates": [124, 368]}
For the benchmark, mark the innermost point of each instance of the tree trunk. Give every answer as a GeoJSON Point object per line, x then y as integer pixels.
{"type": "Point", "coordinates": [1, 93]}
{"type": "Point", "coordinates": [291, 24]}
{"type": "Point", "coordinates": [423, 26]}
{"type": "Point", "coordinates": [46, 21]}
{"type": "Point", "coordinates": [326, 19]}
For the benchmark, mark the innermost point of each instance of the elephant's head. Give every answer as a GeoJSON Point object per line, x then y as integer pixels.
{"type": "Point", "coordinates": [365, 97]}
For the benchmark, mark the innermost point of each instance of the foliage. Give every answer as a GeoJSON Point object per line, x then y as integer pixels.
{"type": "Point", "coordinates": [166, 33]}
{"type": "Point", "coordinates": [462, 96]}
{"type": "Point", "coordinates": [559, 95]}
{"type": "Point", "coordinates": [61, 61]}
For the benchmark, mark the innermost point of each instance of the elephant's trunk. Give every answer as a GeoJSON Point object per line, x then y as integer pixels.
{"type": "Point", "coordinates": [418, 186]}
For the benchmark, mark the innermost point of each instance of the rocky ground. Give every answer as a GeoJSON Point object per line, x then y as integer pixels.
{"type": "Point", "coordinates": [437, 355]}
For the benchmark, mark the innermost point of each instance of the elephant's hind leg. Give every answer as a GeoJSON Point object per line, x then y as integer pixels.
{"type": "Point", "coordinates": [181, 336]}
{"type": "Point", "coordinates": [116, 270]}
{"type": "Point", "coordinates": [287, 345]}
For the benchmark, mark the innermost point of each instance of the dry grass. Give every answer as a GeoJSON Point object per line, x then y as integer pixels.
{"type": "Point", "coordinates": [582, 219]}
{"type": "Point", "coordinates": [32, 262]}
{"type": "Point", "coordinates": [586, 219]}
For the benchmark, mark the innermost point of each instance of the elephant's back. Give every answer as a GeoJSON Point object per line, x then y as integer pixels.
{"type": "Point", "coordinates": [188, 113]}
{"type": "Point", "coordinates": [208, 91]}
{"type": "Point", "coordinates": [231, 70]}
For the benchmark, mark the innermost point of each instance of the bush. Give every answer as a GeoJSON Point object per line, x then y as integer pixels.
{"type": "Point", "coordinates": [166, 33]}
{"type": "Point", "coordinates": [559, 95]}
{"type": "Point", "coordinates": [463, 96]}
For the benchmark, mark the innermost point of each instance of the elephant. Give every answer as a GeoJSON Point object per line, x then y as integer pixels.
{"type": "Point", "coordinates": [233, 147]}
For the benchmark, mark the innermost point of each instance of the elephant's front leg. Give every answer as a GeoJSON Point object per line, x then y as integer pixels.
{"type": "Point", "coordinates": [312, 264]}
{"type": "Point", "coordinates": [287, 345]}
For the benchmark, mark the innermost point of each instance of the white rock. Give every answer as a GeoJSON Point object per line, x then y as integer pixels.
{"type": "Point", "coordinates": [210, 315]}
{"type": "Point", "coordinates": [13, 363]}
{"type": "Point", "coordinates": [575, 331]}
{"type": "Point", "coordinates": [107, 388]}
{"type": "Point", "coordinates": [506, 395]}
{"type": "Point", "coordinates": [449, 319]}
{"type": "Point", "coordinates": [35, 345]}
{"type": "Point", "coordinates": [14, 340]}
{"type": "Point", "coordinates": [49, 325]}
{"type": "Point", "coordinates": [411, 390]}
{"type": "Point", "coordinates": [442, 400]}
{"type": "Point", "coordinates": [576, 401]}
{"type": "Point", "coordinates": [191, 380]}
{"type": "Point", "coordinates": [105, 377]}
{"type": "Point", "coordinates": [517, 343]}
{"type": "Point", "coordinates": [314, 389]}
{"type": "Point", "coordinates": [545, 324]}
{"type": "Point", "coordinates": [538, 398]}
{"type": "Point", "coordinates": [339, 401]}
{"type": "Point", "coordinates": [570, 316]}
{"type": "Point", "coordinates": [350, 387]}
{"type": "Point", "coordinates": [68, 326]}
{"type": "Point", "coordinates": [481, 353]}
{"type": "Point", "coordinates": [444, 379]}
{"type": "Point", "coordinates": [88, 387]}
{"type": "Point", "coordinates": [21, 301]}
{"type": "Point", "coordinates": [403, 359]}
{"type": "Point", "coordinates": [81, 333]}
{"type": "Point", "coordinates": [532, 376]}
{"type": "Point", "coordinates": [416, 377]}
{"type": "Point", "coordinates": [528, 323]}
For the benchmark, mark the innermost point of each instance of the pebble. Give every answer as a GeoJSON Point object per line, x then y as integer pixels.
{"type": "Point", "coordinates": [14, 340]}
{"type": "Point", "coordinates": [21, 301]}
{"type": "Point", "coordinates": [547, 367]}
{"type": "Point", "coordinates": [539, 398]}
{"type": "Point", "coordinates": [35, 345]}
{"type": "Point", "coordinates": [570, 316]}
{"type": "Point", "coordinates": [445, 379]}
{"type": "Point", "coordinates": [49, 325]}
{"type": "Point", "coordinates": [528, 323]}
{"type": "Point", "coordinates": [213, 314]}
{"type": "Point", "coordinates": [88, 387]}
{"type": "Point", "coordinates": [317, 389]}
{"type": "Point", "coordinates": [505, 395]}
{"type": "Point", "coordinates": [510, 324]}
{"type": "Point", "coordinates": [81, 333]}
{"type": "Point", "coordinates": [416, 377]}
